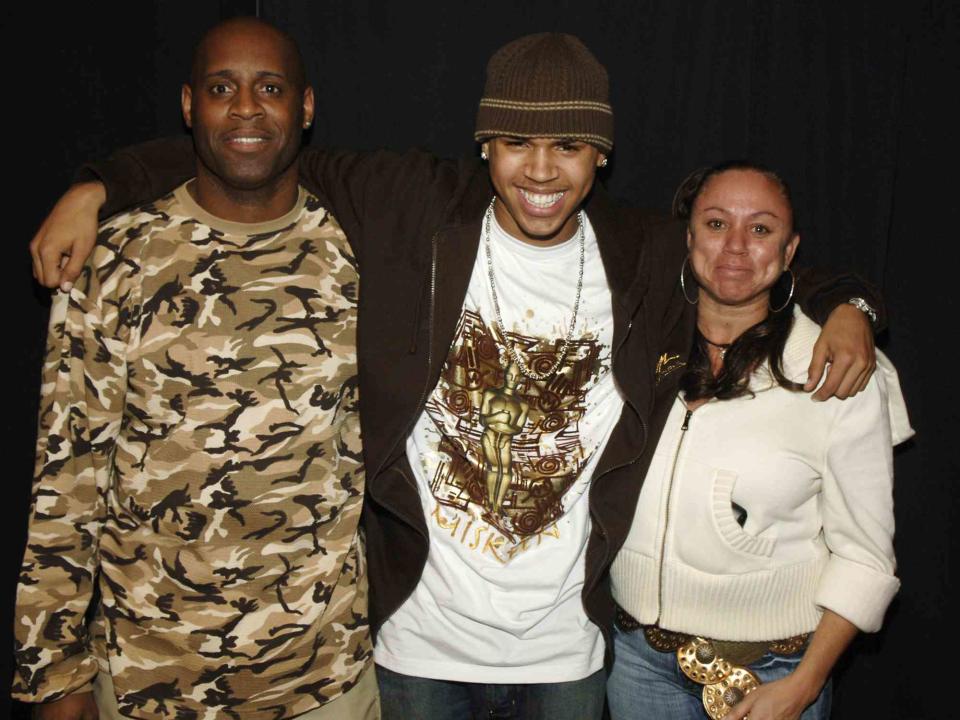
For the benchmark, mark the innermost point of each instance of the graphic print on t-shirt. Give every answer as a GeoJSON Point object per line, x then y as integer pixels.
{"type": "Point", "coordinates": [510, 447]}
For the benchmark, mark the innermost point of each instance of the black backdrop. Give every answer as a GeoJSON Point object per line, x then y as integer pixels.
{"type": "Point", "coordinates": [855, 102]}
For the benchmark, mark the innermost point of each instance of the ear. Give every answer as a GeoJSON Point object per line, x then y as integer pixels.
{"type": "Point", "coordinates": [485, 148]}
{"type": "Point", "coordinates": [791, 250]}
{"type": "Point", "coordinates": [308, 106]}
{"type": "Point", "coordinates": [186, 104]}
{"type": "Point", "coordinates": [689, 239]}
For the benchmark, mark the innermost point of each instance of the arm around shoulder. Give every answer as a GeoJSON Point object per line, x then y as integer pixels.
{"type": "Point", "coordinates": [819, 293]}
{"type": "Point", "coordinates": [129, 177]}
{"type": "Point", "coordinates": [140, 173]}
{"type": "Point", "coordinates": [357, 186]}
{"type": "Point", "coordinates": [67, 235]}
{"type": "Point", "coordinates": [847, 340]}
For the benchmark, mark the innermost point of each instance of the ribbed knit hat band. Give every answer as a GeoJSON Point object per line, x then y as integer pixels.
{"type": "Point", "coordinates": [546, 85]}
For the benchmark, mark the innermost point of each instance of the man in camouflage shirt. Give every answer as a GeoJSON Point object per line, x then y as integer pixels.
{"type": "Point", "coordinates": [199, 449]}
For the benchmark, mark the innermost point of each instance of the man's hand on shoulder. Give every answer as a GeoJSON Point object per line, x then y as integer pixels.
{"type": "Point", "coordinates": [79, 706]}
{"type": "Point", "coordinates": [846, 342]}
{"type": "Point", "coordinates": [67, 236]}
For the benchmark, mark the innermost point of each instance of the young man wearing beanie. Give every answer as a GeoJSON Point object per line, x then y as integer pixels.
{"type": "Point", "coordinates": [515, 327]}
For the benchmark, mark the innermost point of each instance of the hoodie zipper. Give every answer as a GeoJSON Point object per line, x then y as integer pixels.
{"type": "Point", "coordinates": [426, 385]}
{"type": "Point", "coordinates": [430, 310]}
{"type": "Point", "coordinates": [594, 517]}
{"type": "Point", "coordinates": [643, 428]}
{"type": "Point", "coordinates": [666, 515]}
{"type": "Point", "coordinates": [423, 394]}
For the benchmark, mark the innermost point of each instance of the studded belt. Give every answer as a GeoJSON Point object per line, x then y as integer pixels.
{"type": "Point", "coordinates": [718, 665]}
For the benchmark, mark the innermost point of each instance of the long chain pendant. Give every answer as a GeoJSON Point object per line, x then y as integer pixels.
{"type": "Point", "coordinates": [511, 348]}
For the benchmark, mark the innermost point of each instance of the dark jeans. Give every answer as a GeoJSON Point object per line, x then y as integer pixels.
{"type": "Point", "coordinates": [404, 697]}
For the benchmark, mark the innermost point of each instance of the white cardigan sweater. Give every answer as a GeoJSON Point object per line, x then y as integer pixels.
{"type": "Point", "coordinates": [815, 479]}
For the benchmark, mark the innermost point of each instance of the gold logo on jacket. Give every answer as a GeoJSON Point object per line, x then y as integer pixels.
{"type": "Point", "coordinates": [667, 364]}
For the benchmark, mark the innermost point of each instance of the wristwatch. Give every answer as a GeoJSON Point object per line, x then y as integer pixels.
{"type": "Point", "coordinates": [863, 306]}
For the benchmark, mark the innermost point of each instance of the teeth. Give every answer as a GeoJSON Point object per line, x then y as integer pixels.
{"type": "Point", "coordinates": [248, 140]}
{"type": "Point", "coordinates": [541, 200]}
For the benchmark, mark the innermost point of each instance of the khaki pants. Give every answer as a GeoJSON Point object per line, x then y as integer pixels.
{"type": "Point", "coordinates": [362, 702]}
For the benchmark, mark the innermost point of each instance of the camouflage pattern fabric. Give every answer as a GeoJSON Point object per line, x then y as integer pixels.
{"type": "Point", "coordinates": [199, 460]}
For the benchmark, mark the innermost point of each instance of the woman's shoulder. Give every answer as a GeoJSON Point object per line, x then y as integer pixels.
{"type": "Point", "coordinates": [883, 389]}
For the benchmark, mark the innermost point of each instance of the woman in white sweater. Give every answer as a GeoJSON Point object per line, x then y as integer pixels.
{"type": "Point", "coordinates": [762, 539]}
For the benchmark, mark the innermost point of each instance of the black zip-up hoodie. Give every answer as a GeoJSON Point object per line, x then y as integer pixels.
{"type": "Point", "coordinates": [415, 223]}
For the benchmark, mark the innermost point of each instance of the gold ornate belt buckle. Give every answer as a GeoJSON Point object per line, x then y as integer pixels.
{"type": "Point", "coordinates": [720, 697]}
{"type": "Point", "coordinates": [725, 684]}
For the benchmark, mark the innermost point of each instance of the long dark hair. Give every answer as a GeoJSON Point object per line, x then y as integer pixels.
{"type": "Point", "coordinates": [761, 342]}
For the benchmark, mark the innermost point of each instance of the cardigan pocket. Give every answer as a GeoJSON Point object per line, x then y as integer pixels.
{"type": "Point", "coordinates": [726, 521]}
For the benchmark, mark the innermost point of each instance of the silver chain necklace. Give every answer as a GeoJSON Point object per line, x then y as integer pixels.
{"type": "Point", "coordinates": [511, 348]}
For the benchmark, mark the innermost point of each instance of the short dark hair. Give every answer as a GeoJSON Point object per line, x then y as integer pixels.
{"type": "Point", "coordinates": [298, 76]}
{"type": "Point", "coordinates": [764, 341]}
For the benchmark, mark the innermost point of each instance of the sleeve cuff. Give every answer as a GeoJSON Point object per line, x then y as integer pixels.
{"type": "Point", "coordinates": [86, 173]}
{"type": "Point", "coordinates": [856, 592]}
{"type": "Point", "coordinates": [74, 675]}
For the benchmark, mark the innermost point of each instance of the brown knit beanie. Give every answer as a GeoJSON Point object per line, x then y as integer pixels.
{"type": "Point", "coordinates": [546, 85]}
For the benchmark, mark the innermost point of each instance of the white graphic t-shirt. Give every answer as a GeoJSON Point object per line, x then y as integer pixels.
{"type": "Point", "coordinates": [503, 464]}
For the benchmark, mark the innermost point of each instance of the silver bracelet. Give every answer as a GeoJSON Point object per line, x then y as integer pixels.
{"type": "Point", "coordinates": [863, 306]}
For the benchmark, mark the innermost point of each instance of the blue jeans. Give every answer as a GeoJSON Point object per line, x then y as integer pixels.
{"type": "Point", "coordinates": [646, 683]}
{"type": "Point", "coordinates": [404, 697]}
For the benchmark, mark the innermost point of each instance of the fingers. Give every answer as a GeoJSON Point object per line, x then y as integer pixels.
{"type": "Point", "coordinates": [848, 374]}
{"type": "Point", "coordinates": [35, 255]}
{"type": "Point", "coordinates": [836, 377]}
{"type": "Point", "coordinates": [843, 381]}
{"type": "Point", "coordinates": [847, 344]}
{"type": "Point", "coordinates": [865, 377]}
{"type": "Point", "coordinates": [817, 364]}
{"type": "Point", "coordinates": [845, 378]}
{"type": "Point", "coordinates": [741, 709]}
{"type": "Point", "coordinates": [71, 270]}
{"type": "Point", "coordinates": [847, 383]}
{"type": "Point", "coordinates": [49, 258]}
{"type": "Point", "coordinates": [37, 266]}
{"type": "Point", "coordinates": [70, 229]}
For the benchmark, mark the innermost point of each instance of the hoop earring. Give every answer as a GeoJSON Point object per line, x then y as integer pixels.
{"type": "Point", "coordinates": [683, 285]}
{"type": "Point", "coordinates": [793, 282]}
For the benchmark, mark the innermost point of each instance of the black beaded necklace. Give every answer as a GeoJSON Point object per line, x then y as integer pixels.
{"type": "Point", "coordinates": [722, 347]}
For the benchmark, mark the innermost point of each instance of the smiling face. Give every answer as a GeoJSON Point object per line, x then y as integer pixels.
{"type": "Point", "coordinates": [540, 184]}
{"type": "Point", "coordinates": [247, 106]}
{"type": "Point", "coordinates": [740, 238]}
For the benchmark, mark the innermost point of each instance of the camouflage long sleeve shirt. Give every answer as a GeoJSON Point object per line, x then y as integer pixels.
{"type": "Point", "coordinates": [198, 459]}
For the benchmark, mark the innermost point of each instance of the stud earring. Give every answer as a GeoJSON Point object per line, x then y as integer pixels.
{"type": "Point", "coordinates": [603, 163]}
{"type": "Point", "coordinates": [483, 155]}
